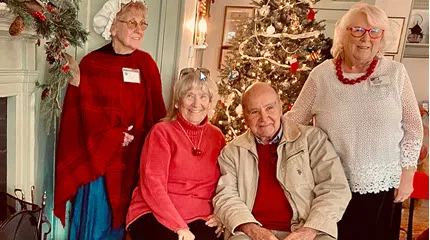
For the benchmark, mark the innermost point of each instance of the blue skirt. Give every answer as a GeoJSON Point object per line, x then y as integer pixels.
{"type": "Point", "coordinates": [92, 215]}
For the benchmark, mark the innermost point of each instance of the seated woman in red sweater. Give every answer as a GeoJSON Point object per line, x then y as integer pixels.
{"type": "Point", "coordinates": [178, 169]}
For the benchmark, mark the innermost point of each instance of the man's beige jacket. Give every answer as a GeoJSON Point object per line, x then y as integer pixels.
{"type": "Point", "coordinates": [308, 169]}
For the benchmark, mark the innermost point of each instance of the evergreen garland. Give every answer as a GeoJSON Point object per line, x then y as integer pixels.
{"type": "Point", "coordinates": [56, 22]}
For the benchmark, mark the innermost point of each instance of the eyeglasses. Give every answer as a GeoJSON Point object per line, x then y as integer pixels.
{"type": "Point", "coordinates": [204, 72]}
{"type": "Point", "coordinates": [132, 24]}
{"type": "Point", "coordinates": [360, 31]}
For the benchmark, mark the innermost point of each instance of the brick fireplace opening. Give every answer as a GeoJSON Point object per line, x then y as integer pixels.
{"type": "Point", "coordinates": [3, 144]}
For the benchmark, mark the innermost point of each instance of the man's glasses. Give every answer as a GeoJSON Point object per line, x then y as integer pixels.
{"type": "Point", "coordinates": [203, 72]}
{"type": "Point", "coordinates": [360, 31]}
{"type": "Point", "coordinates": [132, 24]}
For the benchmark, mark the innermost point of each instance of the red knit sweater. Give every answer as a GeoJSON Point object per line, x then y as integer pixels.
{"type": "Point", "coordinates": [93, 120]}
{"type": "Point", "coordinates": [176, 186]}
{"type": "Point", "coordinates": [271, 207]}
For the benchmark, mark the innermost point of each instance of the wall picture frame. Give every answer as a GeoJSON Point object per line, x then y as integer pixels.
{"type": "Point", "coordinates": [393, 39]}
{"type": "Point", "coordinates": [224, 52]}
{"type": "Point", "coordinates": [234, 16]}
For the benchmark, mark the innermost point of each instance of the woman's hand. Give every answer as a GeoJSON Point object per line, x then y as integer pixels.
{"type": "Point", "coordinates": [128, 138]}
{"type": "Point", "coordinates": [215, 222]}
{"type": "Point", "coordinates": [406, 185]}
{"type": "Point", "coordinates": [185, 234]}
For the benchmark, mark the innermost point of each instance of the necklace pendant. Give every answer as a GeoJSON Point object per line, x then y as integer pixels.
{"type": "Point", "coordinates": [196, 151]}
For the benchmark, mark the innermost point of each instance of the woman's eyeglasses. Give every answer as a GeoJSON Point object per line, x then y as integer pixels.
{"type": "Point", "coordinates": [360, 31]}
{"type": "Point", "coordinates": [132, 24]}
{"type": "Point", "coordinates": [204, 72]}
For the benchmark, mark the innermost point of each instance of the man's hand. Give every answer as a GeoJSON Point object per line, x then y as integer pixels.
{"type": "Point", "coordinates": [303, 233]}
{"type": "Point", "coordinates": [256, 232]}
{"type": "Point", "coordinates": [185, 234]}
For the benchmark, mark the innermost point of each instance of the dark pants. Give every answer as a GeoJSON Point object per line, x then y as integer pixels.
{"type": "Point", "coordinates": [147, 227]}
{"type": "Point", "coordinates": [371, 217]}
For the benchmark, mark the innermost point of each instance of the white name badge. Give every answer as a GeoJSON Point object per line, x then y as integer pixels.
{"type": "Point", "coordinates": [379, 81]}
{"type": "Point", "coordinates": [131, 75]}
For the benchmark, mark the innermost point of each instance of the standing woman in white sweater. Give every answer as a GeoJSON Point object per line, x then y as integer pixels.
{"type": "Point", "coordinates": [366, 105]}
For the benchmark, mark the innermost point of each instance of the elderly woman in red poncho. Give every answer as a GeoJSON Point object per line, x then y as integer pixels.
{"type": "Point", "coordinates": [104, 123]}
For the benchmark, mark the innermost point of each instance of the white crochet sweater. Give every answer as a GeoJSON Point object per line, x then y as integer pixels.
{"type": "Point", "coordinates": [376, 130]}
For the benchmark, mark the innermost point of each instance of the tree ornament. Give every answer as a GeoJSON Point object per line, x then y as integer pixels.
{"type": "Point", "coordinates": [311, 15]}
{"type": "Point", "coordinates": [314, 56]}
{"type": "Point", "coordinates": [264, 10]}
{"type": "Point", "coordinates": [46, 92]}
{"type": "Point", "coordinates": [289, 107]}
{"type": "Point", "coordinates": [17, 26]}
{"type": "Point", "coordinates": [239, 110]}
{"type": "Point", "coordinates": [270, 29]}
{"type": "Point", "coordinates": [233, 75]}
{"type": "Point", "coordinates": [294, 65]}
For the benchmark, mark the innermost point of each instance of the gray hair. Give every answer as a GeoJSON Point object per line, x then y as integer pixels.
{"type": "Point", "coordinates": [376, 18]}
{"type": "Point", "coordinates": [186, 82]}
{"type": "Point", "coordinates": [133, 6]}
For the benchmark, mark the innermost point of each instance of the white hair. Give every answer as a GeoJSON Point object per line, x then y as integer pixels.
{"type": "Point", "coordinates": [375, 17]}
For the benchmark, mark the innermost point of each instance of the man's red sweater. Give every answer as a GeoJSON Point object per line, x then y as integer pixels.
{"type": "Point", "coordinates": [93, 120]}
{"type": "Point", "coordinates": [271, 207]}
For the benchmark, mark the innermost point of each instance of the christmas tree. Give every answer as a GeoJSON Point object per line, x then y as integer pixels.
{"type": "Point", "coordinates": [279, 45]}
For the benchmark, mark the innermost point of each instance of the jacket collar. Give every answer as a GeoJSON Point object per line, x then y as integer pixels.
{"type": "Point", "coordinates": [290, 133]}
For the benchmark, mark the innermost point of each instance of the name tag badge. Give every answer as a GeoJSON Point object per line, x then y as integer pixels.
{"type": "Point", "coordinates": [131, 75]}
{"type": "Point", "coordinates": [379, 81]}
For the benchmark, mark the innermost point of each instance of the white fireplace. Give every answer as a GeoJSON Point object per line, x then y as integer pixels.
{"type": "Point", "coordinates": [17, 82]}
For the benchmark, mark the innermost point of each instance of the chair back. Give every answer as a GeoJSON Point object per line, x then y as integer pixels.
{"type": "Point", "coordinates": [421, 186]}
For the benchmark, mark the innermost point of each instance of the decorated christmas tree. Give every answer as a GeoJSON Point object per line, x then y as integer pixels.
{"type": "Point", "coordinates": [280, 45]}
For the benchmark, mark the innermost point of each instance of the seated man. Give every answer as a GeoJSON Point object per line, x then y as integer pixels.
{"type": "Point", "coordinates": [279, 180]}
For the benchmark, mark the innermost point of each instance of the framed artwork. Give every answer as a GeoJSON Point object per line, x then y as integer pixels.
{"type": "Point", "coordinates": [225, 51]}
{"type": "Point", "coordinates": [418, 29]}
{"type": "Point", "coordinates": [389, 57]}
{"type": "Point", "coordinates": [396, 25]}
{"type": "Point", "coordinates": [233, 18]}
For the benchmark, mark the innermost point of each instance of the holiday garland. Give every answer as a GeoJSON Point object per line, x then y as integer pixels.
{"type": "Point", "coordinates": [56, 22]}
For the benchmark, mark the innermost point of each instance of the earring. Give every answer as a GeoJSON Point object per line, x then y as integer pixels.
{"type": "Point", "coordinates": [176, 106]}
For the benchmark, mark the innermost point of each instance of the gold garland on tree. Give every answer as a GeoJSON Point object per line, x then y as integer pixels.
{"type": "Point", "coordinates": [56, 22]}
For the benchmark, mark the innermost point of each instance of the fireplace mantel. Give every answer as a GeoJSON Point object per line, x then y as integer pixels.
{"type": "Point", "coordinates": [18, 74]}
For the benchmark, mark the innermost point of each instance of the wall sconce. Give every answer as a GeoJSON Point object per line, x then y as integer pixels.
{"type": "Point", "coordinates": [202, 28]}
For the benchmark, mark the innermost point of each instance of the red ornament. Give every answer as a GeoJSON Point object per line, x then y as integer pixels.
{"type": "Point", "coordinates": [66, 44]}
{"type": "Point", "coordinates": [39, 15]}
{"type": "Point", "coordinates": [289, 107]}
{"type": "Point", "coordinates": [65, 68]}
{"type": "Point", "coordinates": [294, 65]}
{"type": "Point", "coordinates": [311, 15]}
{"type": "Point", "coordinates": [357, 80]}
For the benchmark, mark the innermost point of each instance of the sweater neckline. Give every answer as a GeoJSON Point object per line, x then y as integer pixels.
{"type": "Point", "coordinates": [191, 129]}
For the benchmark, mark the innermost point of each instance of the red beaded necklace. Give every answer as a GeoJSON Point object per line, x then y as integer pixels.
{"type": "Point", "coordinates": [357, 80]}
